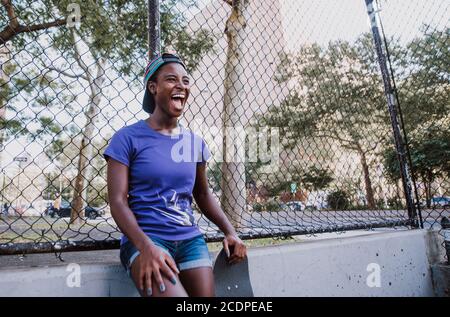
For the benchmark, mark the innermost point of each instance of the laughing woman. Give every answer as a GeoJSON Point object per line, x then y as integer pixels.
{"type": "Point", "coordinates": [150, 192]}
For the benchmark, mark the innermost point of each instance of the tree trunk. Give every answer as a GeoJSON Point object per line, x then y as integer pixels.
{"type": "Point", "coordinates": [428, 181]}
{"type": "Point", "coordinates": [5, 54]}
{"type": "Point", "coordinates": [427, 198]}
{"type": "Point", "coordinates": [367, 181]}
{"type": "Point", "coordinates": [234, 197]}
{"type": "Point", "coordinates": [397, 189]}
{"type": "Point", "coordinates": [85, 155]}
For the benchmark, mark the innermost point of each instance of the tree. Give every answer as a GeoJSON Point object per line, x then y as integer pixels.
{"type": "Point", "coordinates": [312, 178]}
{"type": "Point", "coordinates": [392, 168]}
{"type": "Point", "coordinates": [337, 96]}
{"type": "Point", "coordinates": [22, 18]}
{"type": "Point", "coordinates": [424, 86]}
{"type": "Point", "coordinates": [338, 200]}
{"type": "Point", "coordinates": [90, 56]}
{"type": "Point", "coordinates": [19, 85]}
{"type": "Point", "coordinates": [316, 178]}
{"type": "Point", "coordinates": [424, 93]}
{"type": "Point", "coordinates": [63, 153]}
{"type": "Point", "coordinates": [26, 86]}
{"type": "Point", "coordinates": [8, 88]}
{"type": "Point", "coordinates": [430, 156]}
{"type": "Point", "coordinates": [234, 197]}
{"type": "Point", "coordinates": [97, 191]}
{"type": "Point", "coordinates": [214, 174]}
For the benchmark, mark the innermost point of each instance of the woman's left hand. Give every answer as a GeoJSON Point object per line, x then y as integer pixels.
{"type": "Point", "coordinates": [233, 243]}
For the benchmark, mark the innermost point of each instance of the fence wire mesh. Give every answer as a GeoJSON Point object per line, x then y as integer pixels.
{"type": "Point", "coordinates": [294, 86]}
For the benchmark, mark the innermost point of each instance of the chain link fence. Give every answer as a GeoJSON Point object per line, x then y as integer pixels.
{"type": "Point", "coordinates": [420, 46]}
{"type": "Point", "coordinates": [292, 90]}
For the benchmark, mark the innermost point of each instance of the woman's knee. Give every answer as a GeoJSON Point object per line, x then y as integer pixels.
{"type": "Point", "coordinates": [168, 290]}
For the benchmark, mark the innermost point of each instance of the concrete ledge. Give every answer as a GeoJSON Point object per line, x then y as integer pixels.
{"type": "Point", "coordinates": [382, 264]}
{"type": "Point", "coordinates": [342, 267]}
{"type": "Point", "coordinates": [441, 279]}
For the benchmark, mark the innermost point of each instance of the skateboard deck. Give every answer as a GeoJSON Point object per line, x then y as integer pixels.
{"type": "Point", "coordinates": [231, 280]}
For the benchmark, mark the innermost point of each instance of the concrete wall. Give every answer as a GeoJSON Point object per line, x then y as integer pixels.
{"type": "Point", "coordinates": [341, 267]}
{"type": "Point", "coordinates": [441, 279]}
{"type": "Point", "coordinates": [399, 261]}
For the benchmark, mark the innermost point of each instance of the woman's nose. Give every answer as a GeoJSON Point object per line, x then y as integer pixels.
{"type": "Point", "coordinates": [181, 84]}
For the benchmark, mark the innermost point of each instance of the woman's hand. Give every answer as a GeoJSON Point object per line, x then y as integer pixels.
{"type": "Point", "coordinates": [152, 262]}
{"type": "Point", "coordinates": [233, 243]}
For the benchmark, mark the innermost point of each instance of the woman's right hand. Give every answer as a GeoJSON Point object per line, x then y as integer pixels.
{"type": "Point", "coordinates": [152, 262]}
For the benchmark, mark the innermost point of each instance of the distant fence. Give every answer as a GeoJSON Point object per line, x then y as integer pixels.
{"type": "Point", "coordinates": [338, 112]}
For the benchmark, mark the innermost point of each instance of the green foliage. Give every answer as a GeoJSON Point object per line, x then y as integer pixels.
{"type": "Point", "coordinates": [258, 207]}
{"type": "Point", "coordinates": [175, 35]}
{"type": "Point", "coordinates": [391, 165]}
{"type": "Point", "coordinates": [214, 174]}
{"type": "Point", "coordinates": [424, 94]}
{"type": "Point", "coordinates": [338, 200]}
{"type": "Point", "coordinates": [115, 30]}
{"type": "Point", "coordinates": [424, 89]}
{"type": "Point", "coordinates": [337, 95]}
{"type": "Point", "coordinates": [396, 203]}
{"type": "Point", "coordinates": [53, 184]}
{"type": "Point", "coordinates": [430, 153]}
{"type": "Point", "coordinates": [270, 205]}
{"type": "Point", "coordinates": [430, 156]}
{"type": "Point", "coordinates": [313, 178]}
{"type": "Point", "coordinates": [316, 178]}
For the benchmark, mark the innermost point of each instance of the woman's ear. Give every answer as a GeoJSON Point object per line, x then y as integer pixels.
{"type": "Point", "coordinates": [152, 87]}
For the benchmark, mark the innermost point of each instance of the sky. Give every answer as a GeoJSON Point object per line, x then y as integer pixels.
{"type": "Point", "coordinates": [303, 21]}
{"type": "Point", "coordinates": [321, 21]}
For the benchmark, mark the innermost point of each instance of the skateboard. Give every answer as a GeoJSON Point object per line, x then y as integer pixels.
{"type": "Point", "coordinates": [231, 280]}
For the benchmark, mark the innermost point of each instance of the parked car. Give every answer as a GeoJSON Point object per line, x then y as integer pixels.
{"type": "Point", "coordinates": [93, 212]}
{"type": "Point", "coordinates": [295, 206]}
{"type": "Point", "coordinates": [317, 200]}
{"type": "Point", "coordinates": [64, 211]}
{"type": "Point", "coordinates": [443, 202]}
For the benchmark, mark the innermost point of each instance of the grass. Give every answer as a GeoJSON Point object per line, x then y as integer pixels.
{"type": "Point", "coordinates": [254, 243]}
{"type": "Point", "coordinates": [11, 237]}
{"type": "Point", "coordinates": [61, 225]}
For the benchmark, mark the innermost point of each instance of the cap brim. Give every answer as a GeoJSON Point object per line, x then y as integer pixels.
{"type": "Point", "coordinates": [148, 104]}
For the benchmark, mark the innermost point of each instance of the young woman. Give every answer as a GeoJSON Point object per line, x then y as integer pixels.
{"type": "Point", "coordinates": [155, 168]}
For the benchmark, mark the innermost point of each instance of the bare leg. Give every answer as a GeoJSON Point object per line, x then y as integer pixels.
{"type": "Point", "coordinates": [176, 290]}
{"type": "Point", "coordinates": [198, 282]}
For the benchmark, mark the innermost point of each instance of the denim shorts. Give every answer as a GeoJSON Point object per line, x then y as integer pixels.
{"type": "Point", "coordinates": [187, 254]}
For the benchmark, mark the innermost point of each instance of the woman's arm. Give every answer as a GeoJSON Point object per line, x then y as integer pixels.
{"type": "Point", "coordinates": [117, 175]}
{"type": "Point", "coordinates": [211, 209]}
{"type": "Point", "coordinates": [152, 259]}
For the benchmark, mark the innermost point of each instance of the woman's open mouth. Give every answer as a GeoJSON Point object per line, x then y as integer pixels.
{"type": "Point", "coordinates": [178, 101]}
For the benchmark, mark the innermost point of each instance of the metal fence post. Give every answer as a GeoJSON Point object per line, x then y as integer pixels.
{"type": "Point", "coordinates": [392, 108]}
{"type": "Point", "coordinates": [154, 29]}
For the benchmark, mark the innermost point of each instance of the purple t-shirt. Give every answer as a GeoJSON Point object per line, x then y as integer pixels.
{"type": "Point", "coordinates": [162, 171]}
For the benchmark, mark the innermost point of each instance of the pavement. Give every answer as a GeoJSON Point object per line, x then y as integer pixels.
{"type": "Point", "coordinates": [46, 229]}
